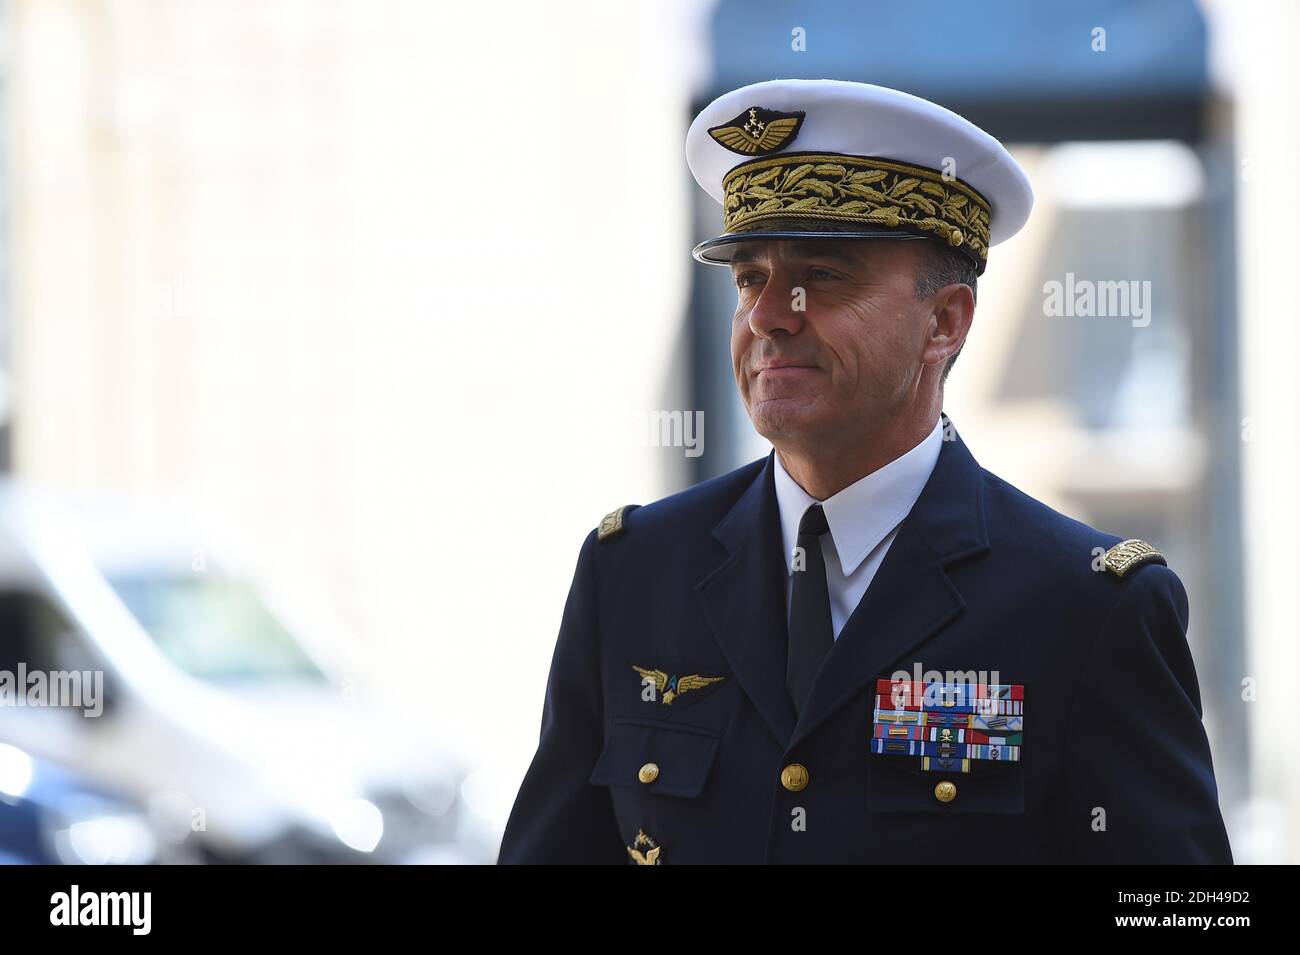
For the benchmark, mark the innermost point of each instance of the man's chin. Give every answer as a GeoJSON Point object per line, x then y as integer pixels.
{"type": "Point", "coordinates": [784, 419]}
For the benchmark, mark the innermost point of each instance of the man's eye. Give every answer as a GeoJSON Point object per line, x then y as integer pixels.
{"type": "Point", "coordinates": [821, 274]}
{"type": "Point", "coordinates": [744, 278]}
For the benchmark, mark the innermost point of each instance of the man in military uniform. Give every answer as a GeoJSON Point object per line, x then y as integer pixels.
{"type": "Point", "coordinates": [863, 647]}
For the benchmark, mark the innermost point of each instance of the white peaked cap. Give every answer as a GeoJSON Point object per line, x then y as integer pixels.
{"type": "Point", "coordinates": [877, 162]}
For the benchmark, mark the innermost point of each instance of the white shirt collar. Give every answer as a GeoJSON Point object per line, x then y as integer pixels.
{"type": "Point", "coordinates": [863, 514]}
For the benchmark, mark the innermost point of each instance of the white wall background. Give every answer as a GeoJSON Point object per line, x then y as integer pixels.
{"type": "Point", "coordinates": [378, 284]}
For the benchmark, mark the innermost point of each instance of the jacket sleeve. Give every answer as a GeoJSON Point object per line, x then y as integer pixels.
{"type": "Point", "coordinates": [1138, 785]}
{"type": "Point", "coordinates": [558, 815]}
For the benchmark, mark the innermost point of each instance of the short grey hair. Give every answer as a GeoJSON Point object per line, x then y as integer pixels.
{"type": "Point", "coordinates": [946, 266]}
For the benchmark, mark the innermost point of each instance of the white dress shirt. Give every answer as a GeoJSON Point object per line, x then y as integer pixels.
{"type": "Point", "coordinates": [863, 520]}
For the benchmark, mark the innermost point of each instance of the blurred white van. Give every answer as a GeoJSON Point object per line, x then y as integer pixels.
{"type": "Point", "coordinates": [236, 727]}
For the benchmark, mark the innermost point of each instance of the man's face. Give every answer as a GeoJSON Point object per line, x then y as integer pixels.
{"type": "Point", "coordinates": [852, 356]}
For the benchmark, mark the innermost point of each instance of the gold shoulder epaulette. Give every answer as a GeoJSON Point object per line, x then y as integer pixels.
{"type": "Point", "coordinates": [611, 524]}
{"type": "Point", "coordinates": [1126, 555]}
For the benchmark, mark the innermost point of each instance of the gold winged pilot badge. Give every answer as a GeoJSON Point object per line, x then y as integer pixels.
{"type": "Point", "coordinates": [671, 687]}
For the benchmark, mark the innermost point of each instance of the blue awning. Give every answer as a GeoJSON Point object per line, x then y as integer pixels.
{"type": "Point", "coordinates": [1024, 69]}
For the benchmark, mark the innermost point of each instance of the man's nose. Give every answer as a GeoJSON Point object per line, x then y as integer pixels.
{"type": "Point", "coordinates": [773, 311]}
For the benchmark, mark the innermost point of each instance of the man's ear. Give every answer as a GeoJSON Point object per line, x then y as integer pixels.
{"type": "Point", "coordinates": [952, 312]}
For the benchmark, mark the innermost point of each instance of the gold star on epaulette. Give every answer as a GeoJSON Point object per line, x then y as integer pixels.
{"type": "Point", "coordinates": [612, 523]}
{"type": "Point", "coordinates": [1126, 555]}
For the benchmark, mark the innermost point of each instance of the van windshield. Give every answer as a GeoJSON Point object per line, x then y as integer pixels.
{"type": "Point", "coordinates": [214, 628]}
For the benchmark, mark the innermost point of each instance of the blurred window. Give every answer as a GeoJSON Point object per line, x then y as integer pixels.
{"type": "Point", "coordinates": [35, 633]}
{"type": "Point", "coordinates": [214, 628]}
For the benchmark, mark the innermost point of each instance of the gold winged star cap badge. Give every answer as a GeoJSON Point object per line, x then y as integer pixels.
{"type": "Point", "coordinates": [671, 687]}
{"type": "Point", "coordinates": [758, 131]}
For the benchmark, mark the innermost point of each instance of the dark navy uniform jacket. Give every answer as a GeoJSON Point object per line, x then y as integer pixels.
{"type": "Point", "coordinates": [1115, 765]}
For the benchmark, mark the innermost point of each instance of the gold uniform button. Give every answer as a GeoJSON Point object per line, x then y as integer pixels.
{"type": "Point", "coordinates": [945, 791]}
{"type": "Point", "coordinates": [955, 237]}
{"type": "Point", "coordinates": [648, 773]}
{"type": "Point", "coordinates": [794, 777]}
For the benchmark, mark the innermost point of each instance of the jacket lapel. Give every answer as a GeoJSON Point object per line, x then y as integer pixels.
{"type": "Point", "coordinates": [911, 597]}
{"type": "Point", "coordinates": [744, 601]}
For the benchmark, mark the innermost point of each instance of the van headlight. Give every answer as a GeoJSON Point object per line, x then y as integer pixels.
{"type": "Point", "coordinates": [109, 839]}
{"type": "Point", "coordinates": [358, 824]}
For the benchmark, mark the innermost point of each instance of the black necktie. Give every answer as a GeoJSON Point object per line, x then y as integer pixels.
{"type": "Point", "coordinates": [811, 634]}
